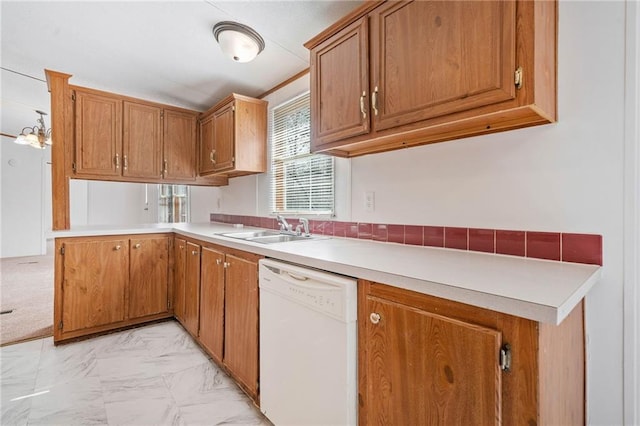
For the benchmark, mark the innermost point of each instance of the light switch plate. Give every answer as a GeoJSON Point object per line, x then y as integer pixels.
{"type": "Point", "coordinates": [369, 201]}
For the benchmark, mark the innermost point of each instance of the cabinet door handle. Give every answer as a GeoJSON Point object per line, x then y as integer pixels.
{"type": "Point", "coordinates": [226, 264]}
{"type": "Point", "coordinates": [374, 101]}
{"type": "Point", "coordinates": [218, 261]}
{"type": "Point", "coordinates": [117, 160]}
{"type": "Point", "coordinates": [364, 113]}
{"type": "Point", "coordinates": [194, 252]}
{"type": "Point", "coordinates": [182, 247]}
{"type": "Point", "coordinates": [137, 246]}
{"type": "Point", "coordinates": [164, 168]}
{"type": "Point", "coordinates": [374, 317]}
{"type": "Point", "coordinates": [212, 156]}
{"type": "Point", "coordinates": [125, 163]}
{"type": "Point", "coordinates": [118, 247]}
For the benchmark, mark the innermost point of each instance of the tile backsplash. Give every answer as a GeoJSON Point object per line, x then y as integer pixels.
{"type": "Point", "coordinates": [566, 247]}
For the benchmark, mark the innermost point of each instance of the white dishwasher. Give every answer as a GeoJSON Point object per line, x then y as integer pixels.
{"type": "Point", "coordinates": [308, 346]}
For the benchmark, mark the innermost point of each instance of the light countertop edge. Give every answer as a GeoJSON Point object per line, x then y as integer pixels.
{"type": "Point", "coordinates": [449, 274]}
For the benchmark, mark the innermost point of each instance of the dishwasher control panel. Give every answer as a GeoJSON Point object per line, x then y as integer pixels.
{"type": "Point", "coordinates": [333, 295]}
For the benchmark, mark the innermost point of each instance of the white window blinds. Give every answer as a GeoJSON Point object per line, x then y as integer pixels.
{"type": "Point", "coordinates": [301, 182]}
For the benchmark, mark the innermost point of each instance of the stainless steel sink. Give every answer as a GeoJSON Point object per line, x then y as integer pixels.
{"type": "Point", "coordinates": [244, 235]}
{"type": "Point", "coordinates": [268, 237]}
{"type": "Point", "coordinates": [280, 238]}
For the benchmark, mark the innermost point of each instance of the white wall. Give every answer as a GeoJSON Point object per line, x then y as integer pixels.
{"type": "Point", "coordinates": [22, 169]}
{"type": "Point", "coordinates": [564, 177]}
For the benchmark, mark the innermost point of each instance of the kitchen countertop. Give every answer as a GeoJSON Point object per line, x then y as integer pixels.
{"type": "Point", "coordinates": [540, 290]}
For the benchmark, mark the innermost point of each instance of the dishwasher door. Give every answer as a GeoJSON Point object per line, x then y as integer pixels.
{"type": "Point", "coordinates": [308, 346]}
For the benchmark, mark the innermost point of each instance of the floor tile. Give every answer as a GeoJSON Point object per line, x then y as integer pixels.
{"type": "Point", "coordinates": [77, 402]}
{"type": "Point", "coordinates": [223, 412]}
{"type": "Point", "coordinates": [202, 384]}
{"type": "Point", "coordinates": [131, 389]}
{"type": "Point", "coordinates": [144, 412]}
{"type": "Point", "coordinates": [149, 375]}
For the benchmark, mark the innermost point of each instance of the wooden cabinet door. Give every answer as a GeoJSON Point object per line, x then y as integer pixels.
{"type": "Point", "coordinates": [149, 276]}
{"type": "Point", "coordinates": [192, 288]}
{"type": "Point", "coordinates": [98, 134]}
{"type": "Point", "coordinates": [142, 141]}
{"type": "Point", "coordinates": [432, 58]}
{"type": "Point", "coordinates": [427, 369]}
{"type": "Point", "coordinates": [206, 163]}
{"type": "Point", "coordinates": [179, 269]}
{"type": "Point", "coordinates": [340, 85]}
{"type": "Point", "coordinates": [212, 302]}
{"type": "Point", "coordinates": [241, 321]}
{"type": "Point", "coordinates": [224, 138]}
{"type": "Point", "coordinates": [179, 145]}
{"type": "Point", "coordinates": [95, 280]}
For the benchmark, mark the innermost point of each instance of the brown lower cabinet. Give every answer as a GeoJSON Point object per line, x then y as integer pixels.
{"type": "Point", "coordinates": [422, 360]}
{"type": "Point", "coordinates": [102, 283]}
{"type": "Point", "coordinates": [430, 361]}
{"type": "Point", "coordinates": [216, 300]}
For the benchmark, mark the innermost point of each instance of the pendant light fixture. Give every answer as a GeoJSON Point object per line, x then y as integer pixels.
{"type": "Point", "coordinates": [37, 136]}
{"type": "Point", "coordinates": [240, 42]}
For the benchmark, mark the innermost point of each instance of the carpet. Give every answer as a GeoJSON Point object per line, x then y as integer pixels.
{"type": "Point", "coordinates": [26, 295]}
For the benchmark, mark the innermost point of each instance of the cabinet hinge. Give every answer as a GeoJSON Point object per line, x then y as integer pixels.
{"type": "Point", "coordinates": [505, 357]}
{"type": "Point", "coordinates": [62, 250]}
{"type": "Point", "coordinates": [60, 325]}
{"type": "Point", "coordinates": [517, 80]}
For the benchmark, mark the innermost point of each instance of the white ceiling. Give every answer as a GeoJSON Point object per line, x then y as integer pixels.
{"type": "Point", "coordinates": [161, 51]}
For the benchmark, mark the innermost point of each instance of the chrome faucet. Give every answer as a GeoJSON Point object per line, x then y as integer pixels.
{"type": "Point", "coordinates": [285, 227]}
{"type": "Point", "coordinates": [304, 224]}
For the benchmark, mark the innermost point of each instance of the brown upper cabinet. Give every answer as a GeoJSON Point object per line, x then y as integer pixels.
{"type": "Point", "coordinates": [126, 139]}
{"type": "Point", "coordinates": [233, 137]}
{"type": "Point", "coordinates": [398, 74]}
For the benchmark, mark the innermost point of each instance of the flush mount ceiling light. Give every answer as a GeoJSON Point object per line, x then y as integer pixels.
{"type": "Point", "coordinates": [37, 136]}
{"type": "Point", "coordinates": [239, 42]}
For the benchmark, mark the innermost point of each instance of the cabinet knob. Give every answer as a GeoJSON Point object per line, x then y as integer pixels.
{"type": "Point", "coordinates": [218, 261]}
{"type": "Point", "coordinates": [226, 264]}
{"type": "Point", "coordinates": [194, 252]}
{"type": "Point", "coordinates": [118, 247]}
{"type": "Point", "coordinates": [136, 246]}
{"type": "Point", "coordinates": [374, 317]}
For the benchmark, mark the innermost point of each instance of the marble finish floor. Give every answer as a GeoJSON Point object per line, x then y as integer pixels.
{"type": "Point", "coordinates": [153, 375]}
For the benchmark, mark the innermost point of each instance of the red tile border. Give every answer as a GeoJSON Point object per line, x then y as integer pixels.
{"type": "Point", "coordinates": [380, 232]}
{"type": "Point", "coordinates": [455, 238]}
{"type": "Point", "coordinates": [365, 231]}
{"type": "Point", "coordinates": [413, 235]}
{"type": "Point", "coordinates": [395, 234]}
{"type": "Point", "coordinates": [567, 247]}
{"type": "Point", "coordinates": [543, 245]}
{"type": "Point", "coordinates": [510, 242]}
{"type": "Point", "coordinates": [582, 248]}
{"type": "Point", "coordinates": [351, 230]}
{"type": "Point", "coordinates": [482, 240]}
{"type": "Point", "coordinates": [339, 229]}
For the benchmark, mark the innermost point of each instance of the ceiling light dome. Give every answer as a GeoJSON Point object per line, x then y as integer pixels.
{"type": "Point", "coordinates": [240, 42]}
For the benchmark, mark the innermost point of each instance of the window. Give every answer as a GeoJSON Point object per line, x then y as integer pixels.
{"type": "Point", "coordinates": [301, 182]}
{"type": "Point", "coordinates": [173, 203]}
